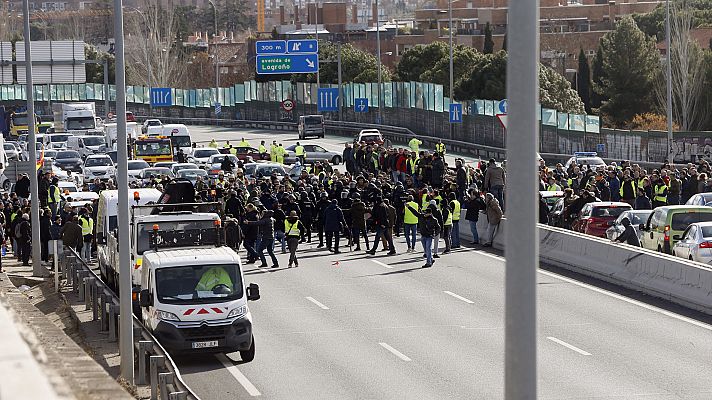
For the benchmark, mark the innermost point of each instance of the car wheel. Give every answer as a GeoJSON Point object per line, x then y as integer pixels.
{"type": "Point", "coordinates": [6, 185]}
{"type": "Point", "coordinates": [249, 354]}
{"type": "Point", "coordinates": [336, 160]}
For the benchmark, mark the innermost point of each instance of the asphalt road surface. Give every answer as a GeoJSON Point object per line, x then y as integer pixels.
{"type": "Point", "coordinates": [352, 326]}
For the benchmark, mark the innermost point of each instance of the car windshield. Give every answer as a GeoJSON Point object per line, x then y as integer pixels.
{"type": "Point", "coordinates": [202, 153]}
{"type": "Point", "coordinates": [80, 123]}
{"type": "Point", "coordinates": [180, 141]}
{"type": "Point", "coordinates": [154, 122]}
{"type": "Point", "coordinates": [250, 169]}
{"type": "Point", "coordinates": [177, 234]}
{"type": "Point", "coordinates": [370, 136]}
{"type": "Point", "coordinates": [199, 284]}
{"type": "Point", "coordinates": [313, 120]}
{"type": "Point", "coordinates": [98, 162]}
{"type": "Point", "coordinates": [138, 164]}
{"type": "Point", "coordinates": [58, 138]}
{"type": "Point", "coordinates": [67, 155]}
{"type": "Point", "coordinates": [681, 220]}
{"type": "Point", "coordinates": [10, 147]}
{"type": "Point", "coordinates": [185, 166]}
{"type": "Point", "coordinates": [94, 140]}
{"type": "Point", "coordinates": [43, 128]}
{"type": "Point", "coordinates": [19, 119]}
{"type": "Point", "coordinates": [608, 211]}
{"type": "Point", "coordinates": [218, 159]}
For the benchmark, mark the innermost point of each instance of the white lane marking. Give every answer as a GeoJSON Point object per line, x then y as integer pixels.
{"type": "Point", "coordinates": [320, 305]}
{"type": "Point", "coordinates": [242, 379]}
{"type": "Point", "coordinates": [382, 264]}
{"type": "Point", "coordinates": [615, 296]}
{"type": "Point", "coordinates": [394, 351]}
{"type": "Point", "coordinates": [568, 346]}
{"type": "Point", "coordinates": [457, 296]}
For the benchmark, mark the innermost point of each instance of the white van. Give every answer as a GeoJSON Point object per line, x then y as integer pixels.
{"type": "Point", "coordinates": [108, 208]}
{"type": "Point", "coordinates": [180, 137]}
{"type": "Point", "coordinates": [133, 130]}
{"type": "Point", "coordinates": [195, 300]}
{"type": "Point", "coordinates": [86, 145]}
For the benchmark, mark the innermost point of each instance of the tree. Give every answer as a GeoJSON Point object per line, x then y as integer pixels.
{"type": "Point", "coordinates": [650, 122]}
{"type": "Point", "coordinates": [631, 64]}
{"type": "Point", "coordinates": [95, 72]}
{"type": "Point", "coordinates": [10, 22]}
{"type": "Point", "coordinates": [555, 92]}
{"type": "Point", "coordinates": [356, 65]}
{"type": "Point", "coordinates": [598, 75]}
{"type": "Point", "coordinates": [415, 61]}
{"type": "Point", "coordinates": [488, 47]}
{"type": "Point", "coordinates": [463, 57]}
{"type": "Point", "coordinates": [583, 81]}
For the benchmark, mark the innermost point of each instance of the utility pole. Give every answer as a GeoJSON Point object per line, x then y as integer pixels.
{"type": "Point", "coordinates": [452, 99]}
{"type": "Point", "coordinates": [126, 348]}
{"type": "Point", "coordinates": [378, 52]}
{"type": "Point", "coordinates": [37, 269]}
{"type": "Point", "coordinates": [522, 258]}
{"type": "Point", "coordinates": [668, 66]}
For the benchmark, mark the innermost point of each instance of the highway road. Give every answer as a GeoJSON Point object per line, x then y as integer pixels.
{"type": "Point", "coordinates": [352, 326]}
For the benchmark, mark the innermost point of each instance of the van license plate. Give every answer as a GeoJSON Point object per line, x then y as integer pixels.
{"type": "Point", "coordinates": [205, 345]}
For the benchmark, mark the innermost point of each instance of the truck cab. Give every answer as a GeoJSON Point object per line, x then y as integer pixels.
{"type": "Point", "coordinates": [195, 300]}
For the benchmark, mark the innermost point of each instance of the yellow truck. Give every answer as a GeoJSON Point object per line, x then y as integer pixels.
{"type": "Point", "coordinates": [18, 124]}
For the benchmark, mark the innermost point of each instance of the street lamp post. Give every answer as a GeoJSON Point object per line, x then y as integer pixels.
{"type": "Point", "coordinates": [378, 52]}
{"type": "Point", "coordinates": [669, 82]}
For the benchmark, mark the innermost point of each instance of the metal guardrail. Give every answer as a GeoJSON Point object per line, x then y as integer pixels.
{"type": "Point", "coordinates": [162, 373]}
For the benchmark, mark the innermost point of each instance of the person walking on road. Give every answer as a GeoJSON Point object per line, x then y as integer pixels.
{"type": "Point", "coordinates": [447, 225]}
{"type": "Point", "coordinates": [292, 230]}
{"type": "Point", "coordinates": [358, 222]}
{"type": "Point", "coordinates": [495, 181]}
{"type": "Point", "coordinates": [334, 223]}
{"type": "Point", "coordinates": [433, 206]}
{"type": "Point", "coordinates": [474, 205]}
{"type": "Point", "coordinates": [266, 226]}
{"type": "Point", "coordinates": [429, 228]}
{"type": "Point", "coordinates": [300, 153]}
{"type": "Point", "coordinates": [456, 209]}
{"type": "Point", "coordinates": [383, 226]}
{"type": "Point", "coordinates": [410, 223]}
{"type": "Point", "coordinates": [494, 216]}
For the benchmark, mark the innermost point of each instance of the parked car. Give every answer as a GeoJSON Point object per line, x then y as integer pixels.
{"type": "Point", "coordinates": [69, 160]}
{"type": "Point", "coordinates": [595, 217]}
{"type": "Point", "coordinates": [11, 151]}
{"type": "Point", "coordinates": [588, 158]}
{"type": "Point", "coordinates": [98, 166]}
{"type": "Point", "coordinates": [311, 125]}
{"type": "Point", "coordinates": [66, 187]}
{"type": "Point", "coordinates": [636, 217]}
{"type": "Point", "coordinates": [134, 169]}
{"type": "Point", "coordinates": [665, 223]}
{"type": "Point", "coordinates": [213, 166]}
{"type": "Point", "coordinates": [179, 166]}
{"type": "Point", "coordinates": [147, 174]}
{"type": "Point", "coordinates": [313, 152]}
{"type": "Point", "coordinates": [551, 197]}
{"type": "Point", "coordinates": [264, 170]}
{"type": "Point", "coordinates": [201, 155]}
{"type": "Point", "coordinates": [50, 154]}
{"type": "Point", "coordinates": [192, 174]}
{"type": "Point", "coordinates": [248, 154]}
{"type": "Point", "coordinates": [695, 243]}
{"type": "Point", "coordinates": [700, 199]}
{"type": "Point", "coordinates": [166, 164]}
{"type": "Point", "coordinates": [370, 137]}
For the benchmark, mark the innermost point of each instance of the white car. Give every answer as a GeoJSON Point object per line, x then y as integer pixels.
{"type": "Point", "coordinates": [134, 169]}
{"type": "Point", "coordinates": [150, 122]}
{"type": "Point", "coordinates": [700, 199]}
{"type": "Point", "coordinates": [695, 243]}
{"type": "Point", "coordinates": [370, 137]}
{"type": "Point", "coordinates": [192, 175]}
{"type": "Point", "coordinates": [98, 166]}
{"type": "Point", "coordinates": [67, 187]}
{"type": "Point", "coordinates": [201, 156]}
{"type": "Point", "coordinates": [588, 158]}
{"type": "Point", "coordinates": [180, 166]}
{"type": "Point", "coordinates": [12, 152]}
{"type": "Point", "coordinates": [57, 140]}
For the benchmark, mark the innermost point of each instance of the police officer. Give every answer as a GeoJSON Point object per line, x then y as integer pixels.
{"type": "Point", "coordinates": [263, 150]}
{"type": "Point", "coordinates": [213, 144]}
{"type": "Point", "coordinates": [456, 209]}
{"type": "Point", "coordinates": [243, 143]}
{"type": "Point", "coordinates": [54, 197]}
{"type": "Point", "coordinates": [292, 230]}
{"type": "Point", "coordinates": [300, 153]}
{"type": "Point", "coordinates": [440, 148]}
{"type": "Point", "coordinates": [87, 224]}
{"type": "Point", "coordinates": [273, 151]}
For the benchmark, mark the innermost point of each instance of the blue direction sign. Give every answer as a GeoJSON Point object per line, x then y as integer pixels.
{"type": "Point", "coordinates": [161, 97]}
{"type": "Point", "coordinates": [218, 108]}
{"type": "Point", "coordinates": [302, 46]}
{"type": "Point", "coordinates": [287, 64]}
{"type": "Point", "coordinates": [328, 99]}
{"type": "Point", "coordinates": [361, 105]}
{"type": "Point", "coordinates": [502, 106]}
{"type": "Point", "coordinates": [455, 113]}
{"type": "Point", "coordinates": [271, 46]}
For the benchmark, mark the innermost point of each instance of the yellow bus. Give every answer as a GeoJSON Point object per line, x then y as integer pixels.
{"type": "Point", "coordinates": [153, 149]}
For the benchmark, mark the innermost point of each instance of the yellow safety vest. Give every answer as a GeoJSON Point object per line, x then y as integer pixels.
{"type": "Point", "coordinates": [57, 195]}
{"type": "Point", "coordinates": [659, 190]}
{"type": "Point", "coordinates": [424, 201]}
{"type": "Point", "coordinates": [213, 277]}
{"type": "Point", "coordinates": [414, 145]}
{"type": "Point", "coordinates": [233, 151]}
{"type": "Point", "coordinates": [213, 144]}
{"type": "Point", "coordinates": [299, 151]}
{"type": "Point", "coordinates": [552, 188]}
{"type": "Point", "coordinates": [262, 149]}
{"type": "Point", "coordinates": [410, 218]}
{"type": "Point", "coordinates": [456, 210]}
{"type": "Point", "coordinates": [87, 225]}
{"type": "Point", "coordinates": [226, 146]}
{"type": "Point", "coordinates": [448, 221]}
{"type": "Point", "coordinates": [13, 216]}
{"type": "Point", "coordinates": [411, 163]}
{"type": "Point", "coordinates": [243, 143]}
{"type": "Point", "coordinates": [440, 147]}
{"type": "Point", "coordinates": [291, 229]}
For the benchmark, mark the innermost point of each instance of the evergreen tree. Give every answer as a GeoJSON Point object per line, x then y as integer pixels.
{"type": "Point", "coordinates": [488, 47]}
{"type": "Point", "coordinates": [598, 75]}
{"type": "Point", "coordinates": [583, 81]}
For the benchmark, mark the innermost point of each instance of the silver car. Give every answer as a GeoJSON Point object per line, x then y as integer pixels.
{"type": "Point", "coordinates": [636, 217]}
{"type": "Point", "coordinates": [313, 152]}
{"type": "Point", "coordinates": [695, 243]}
{"type": "Point", "coordinates": [193, 174]}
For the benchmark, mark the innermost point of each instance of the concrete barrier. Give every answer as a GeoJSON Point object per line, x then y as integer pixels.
{"type": "Point", "coordinates": [671, 278]}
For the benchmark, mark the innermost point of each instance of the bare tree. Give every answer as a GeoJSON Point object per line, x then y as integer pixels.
{"type": "Point", "coordinates": [151, 40]}
{"type": "Point", "coordinates": [688, 72]}
{"type": "Point", "coordinates": [10, 23]}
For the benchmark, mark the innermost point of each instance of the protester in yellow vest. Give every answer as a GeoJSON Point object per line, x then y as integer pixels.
{"type": "Point", "coordinates": [440, 148]}
{"type": "Point", "coordinates": [280, 154]}
{"type": "Point", "coordinates": [213, 144]}
{"type": "Point", "coordinates": [292, 230]}
{"type": "Point", "coordinates": [263, 150]}
{"type": "Point", "coordinates": [300, 153]}
{"type": "Point", "coordinates": [410, 224]}
{"type": "Point", "coordinates": [243, 143]}
{"type": "Point", "coordinates": [273, 151]}
{"type": "Point", "coordinates": [456, 208]}
{"type": "Point", "coordinates": [414, 145]}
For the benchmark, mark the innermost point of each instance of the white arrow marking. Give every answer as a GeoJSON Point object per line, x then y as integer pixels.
{"type": "Point", "coordinates": [310, 63]}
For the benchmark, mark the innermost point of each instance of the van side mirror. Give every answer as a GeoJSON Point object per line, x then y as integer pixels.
{"type": "Point", "coordinates": [145, 298]}
{"type": "Point", "coordinates": [641, 227]}
{"type": "Point", "coordinates": [675, 237]}
{"type": "Point", "coordinates": [253, 292]}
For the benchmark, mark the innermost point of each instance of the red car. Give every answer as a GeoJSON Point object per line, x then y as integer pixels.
{"type": "Point", "coordinates": [595, 218]}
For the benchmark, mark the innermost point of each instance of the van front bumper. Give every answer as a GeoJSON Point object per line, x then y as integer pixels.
{"type": "Point", "coordinates": [231, 335]}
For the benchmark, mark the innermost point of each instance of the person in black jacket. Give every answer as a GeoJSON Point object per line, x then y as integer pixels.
{"type": "Point", "coordinates": [45, 237]}
{"type": "Point", "coordinates": [22, 187]}
{"type": "Point", "coordinates": [307, 217]}
{"type": "Point", "coordinates": [334, 223]}
{"type": "Point", "coordinates": [474, 204]}
{"type": "Point", "coordinates": [24, 239]}
{"type": "Point", "coordinates": [429, 228]}
{"type": "Point", "coordinates": [320, 207]}
{"type": "Point", "coordinates": [543, 211]}
{"type": "Point", "coordinates": [629, 235]}
{"type": "Point", "coordinates": [266, 226]}
{"type": "Point", "coordinates": [383, 226]}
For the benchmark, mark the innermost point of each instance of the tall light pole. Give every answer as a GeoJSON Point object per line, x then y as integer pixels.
{"type": "Point", "coordinates": [217, 60]}
{"type": "Point", "coordinates": [126, 348]}
{"type": "Point", "coordinates": [378, 52]}
{"type": "Point", "coordinates": [452, 99]}
{"type": "Point", "coordinates": [522, 258]}
{"type": "Point", "coordinates": [37, 269]}
{"type": "Point", "coordinates": [669, 82]}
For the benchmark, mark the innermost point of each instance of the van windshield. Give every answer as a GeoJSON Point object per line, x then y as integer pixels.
{"type": "Point", "coordinates": [199, 284]}
{"type": "Point", "coordinates": [177, 234]}
{"type": "Point", "coordinates": [94, 140]}
{"type": "Point", "coordinates": [180, 141]}
{"type": "Point", "coordinates": [680, 221]}
{"type": "Point", "coordinates": [80, 123]}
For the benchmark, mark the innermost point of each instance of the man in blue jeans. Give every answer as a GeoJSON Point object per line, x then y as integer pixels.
{"type": "Point", "coordinates": [473, 205]}
{"type": "Point", "coordinates": [410, 224]}
{"type": "Point", "coordinates": [429, 228]}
